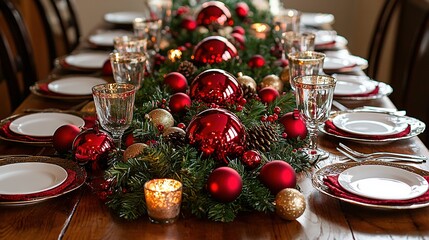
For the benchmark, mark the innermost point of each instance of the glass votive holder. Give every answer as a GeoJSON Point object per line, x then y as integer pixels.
{"type": "Point", "coordinates": [129, 67]}
{"type": "Point", "coordinates": [287, 20]}
{"type": "Point", "coordinates": [163, 200]}
{"type": "Point", "coordinates": [305, 63]}
{"type": "Point", "coordinates": [149, 29]}
{"type": "Point", "coordinates": [260, 30]}
{"type": "Point", "coordinates": [130, 43]}
{"type": "Point", "coordinates": [298, 42]}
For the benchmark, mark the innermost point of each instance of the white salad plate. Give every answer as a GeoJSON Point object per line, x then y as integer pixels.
{"type": "Point", "coordinates": [354, 85]}
{"type": "Point", "coordinates": [316, 19]}
{"type": "Point", "coordinates": [333, 63]}
{"type": "Point", "coordinates": [324, 37]}
{"type": "Point", "coordinates": [123, 17]}
{"type": "Point", "coordinates": [105, 39]}
{"type": "Point", "coordinates": [30, 177]}
{"type": "Point", "coordinates": [43, 124]}
{"type": "Point", "coordinates": [370, 123]}
{"type": "Point", "coordinates": [89, 60]}
{"type": "Point", "coordinates": [382, 182]}
{"type": "Point", "coordinates": [384, 89]}
{"type": "Point", "coordinates": [75, 85]}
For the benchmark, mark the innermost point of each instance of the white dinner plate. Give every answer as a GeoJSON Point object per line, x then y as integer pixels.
{"type": "Point", "coordinates": [339, 43]}
{"type": "Point", "coordinates": [382, 182]}
{"type": "Point", "coordinates": [88, 60]}
{"type": "Point", "coordinates": [354, 85]}
{"type": "Point", "coordinates": [75, 85]}
{"type": "Point", "coordinates": [316, 19]}
{"type": "Point", "coordinates": [370, 123]}
{"type": "Point", "coordinates": [333, 63]}
{"type": "Point", "coordinates": [123, 17]}
{"type": "Point", "coordinates": [325, 37]}
{"type": "Point", "coordinates": [43, 124]}
{"type": "Point", "coordinates": [31, 177]}
{"type": "Point", "coordinates": [105, 39]}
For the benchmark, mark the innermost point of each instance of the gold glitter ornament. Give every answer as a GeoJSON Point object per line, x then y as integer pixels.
{"type": "Point", "coordinates": [134, 150]}
{"type": "Point", "coordinates": [247, 81]}
{"type": "Point", "coordinates": [284, 75]}
{"type": "Point", "coordinates": [290, 204]}
{"type": "Point", "coordinates": [172, 130]}
{"type": "Point", "coordinates": [161, 117]}
{"type": "Point", "coordinates": [272, 81]}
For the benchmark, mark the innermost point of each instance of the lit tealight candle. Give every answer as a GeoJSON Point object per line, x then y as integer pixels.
{"type": "Point", "coordinates": [260, 30]}
{"type": "Point", "coordinates": [174, 54]}
{"type": "Point", "coordinates": [163, 200]}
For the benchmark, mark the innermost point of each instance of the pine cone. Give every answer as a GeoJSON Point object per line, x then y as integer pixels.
{"type": "Point", "coordinates": [260, 137]}
{"type": "Point", "coordinates": [248, 92]}
{"type": "Point", "coordinates": [176, 138]}
{"type": "Point", "coordinates": [187, 69]}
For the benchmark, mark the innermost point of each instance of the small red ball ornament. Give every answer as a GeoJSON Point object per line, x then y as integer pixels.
{"type": "Point", "coordinates": [294, 125]}
{"type": "Point", "coordinates": [216, 86]}
{"type": "Point", "coordinates": [176, 82]}
{"type": "Point", "coordinates": [64, 136]}
{"type": "Point", "coordinates": [239, 40]}
{"type": "Point", "coordinates": [214, 13]}
{"type": "Point", "coordinates": [214, 49]}
{"type": "Point", "coordinates": [107, 68]}
{"type": "Point", "coordinates": [179, 102]}
{"type": "Point", "coordinates": [188, 23]}
{"type": "Point", "coordinates": [256, 61]}
{"type": "Point", "coordinates": [224, 184]}
{"type": "Point", "coordinates": [217, 132]}
{"type": "Point", "coordinates": [278, 175]}
{"type": "Point", "coordinates": [239, 29]}
{"type": "Point", "coordinates": [92, 147]}
{"type": "Point", "coordinates": [268, 94]}
{"type": "Point", "coordinates": [251, 159]}
{"type": "Point", "coordinates": [242, 9]}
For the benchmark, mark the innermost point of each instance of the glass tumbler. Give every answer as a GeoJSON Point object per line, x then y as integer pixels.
{"type": "Point", "coordinates": [298, 42]}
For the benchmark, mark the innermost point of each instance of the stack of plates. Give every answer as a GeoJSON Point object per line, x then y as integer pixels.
{"type": "Point", "coordinates": [350, 87]}
{"type": "Point", "coordinates": [84, 61]}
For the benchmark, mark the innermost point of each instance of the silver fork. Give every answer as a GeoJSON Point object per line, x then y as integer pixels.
{"type": "Point", "coordinates": [380, 154]}
{"type": "Point", "coordinates": [383, 159]}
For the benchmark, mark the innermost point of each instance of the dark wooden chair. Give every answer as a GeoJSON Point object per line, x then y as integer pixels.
{"type": "Point", "coordinates": [410, 70]}
{"type": "Point", "coordinates": [65, 17]}
{"type": "Point", "coordinates": [17, 58]}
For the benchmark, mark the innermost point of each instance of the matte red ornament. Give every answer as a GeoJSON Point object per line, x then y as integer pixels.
{"type": "Point", "coordinates": [268, 94]}
{"type": "Point", "coordinates": [294, 125]}
{"type": "Point", "coordinates": [216, 86]}
{"type": "Point", "coordinates": [240, 40]}
{"type": "Point", "coordinates": [218, 133]}
{"type": "Point", "coordinates": [107, 68]}
{"type": "Point", "coordinates": [256, 61]}
{"type": "Point", "coordinates": [92, 147]}
{"type": "Point", "coordinates": [277, 175]}
{"type": "Point", "coordinates": [214, 49]}
{"type": "Point", "coordinates": [179, 102]}
{"type": "Point", "coordinates": [64, 136]}
{"type": "Point", "coordinates": [129, 140]}
{"type": "Point", "coordinates": [251, 159]}
{"type": "Point", "coordinates": [188, 23]}
{"type": "Point", "coordinates": [225, 184]}
{"type": "Point", "coordinates": [176, 82]}
{"type": "Point", "coordinates": [242, 9]}
{"type": "Point", "coordinates": [239, 30]}
{"type": "Point", "coordinates": [214, 13]}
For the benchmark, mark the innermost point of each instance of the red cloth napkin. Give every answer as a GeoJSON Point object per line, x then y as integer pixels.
{"type": "Point", "coordinates": [71, 177]}
{"type": "Point", "coordinates": [331, 128]}
{"type": "Point", "coordinates": [332, 183]}
{"type": "Point", "coordinates": [372, 93]}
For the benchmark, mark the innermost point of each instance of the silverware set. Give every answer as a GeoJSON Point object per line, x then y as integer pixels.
{"type": "Point", "coordinates": [379, 156]}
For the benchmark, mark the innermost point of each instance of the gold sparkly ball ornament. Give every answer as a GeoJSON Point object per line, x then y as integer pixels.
{"type": "Point", "coordinates": [134, 150]}
{"type": "Point", "coordinates": [284, 75]}
{"type": "Point", "coordinates": [246, 81]}
{"type": "Point", "coordinates": [173, 130]}
{"type": "Point", "coordinates": [290, 204]}
{"type": "Point", "coordinates": [161, 117]}
{"type": "Point", "coordinates": [272, 81]}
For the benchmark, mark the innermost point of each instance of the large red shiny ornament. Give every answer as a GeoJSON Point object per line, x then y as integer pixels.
{"type": "Point", "coordinates": [176, 82]}
{"type": "Point", "coordinates": [92, 147]}
{"type": "Point", "coordinates": [214, 13]}
{"type": "Point", "coordinates": [64, 136]}
{"type": "Point", "coordinates": [216, 86]}
{"type": "Point", "coordinates": [225, 184]}
{"type": "Point", "coordinates": [218, 133]}
{"type": "Point", "coordinates": [179, 102]}
{"type": "Point", "coordinates": [268, 94]}
{"type": "Point", "coordinates": [294, 125]}
{"type": "Point", "coordinates": [214, 49]}
{"type": "Point", "coordinates": [277, 175]}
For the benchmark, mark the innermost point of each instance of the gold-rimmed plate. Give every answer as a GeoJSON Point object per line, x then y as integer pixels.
{"type": "Point", "coordinates": [64, 163]}
{"type": "Point", "coordinates": [338, 168]}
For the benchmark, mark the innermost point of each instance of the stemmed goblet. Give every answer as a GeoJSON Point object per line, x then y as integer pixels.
{"type": "Point", "coordinates": [314, 95]}
{"type": "Point", "coordinates": [114, 104]}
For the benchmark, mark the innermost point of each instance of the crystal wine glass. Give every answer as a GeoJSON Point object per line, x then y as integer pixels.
{"type": "Point", "coordinates": [314, 95]}
{"type": "Point", "coordinates": [114, 103]}
{"type": "Point", "coordinates": [129, 67]}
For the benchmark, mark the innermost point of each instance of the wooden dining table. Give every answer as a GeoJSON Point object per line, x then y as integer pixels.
{"type": "Point", "coordinates": [82, 215]}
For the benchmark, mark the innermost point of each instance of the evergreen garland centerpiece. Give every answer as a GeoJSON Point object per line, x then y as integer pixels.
{"type": "Point", "coordinates": [209, 117]}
